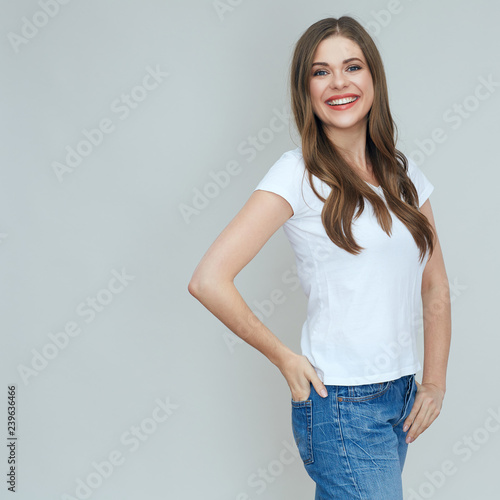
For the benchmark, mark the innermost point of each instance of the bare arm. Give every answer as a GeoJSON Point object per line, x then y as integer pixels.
{"type": "Point", "coordinates": [437, 338]}
{"type": "Point", "coordinates": [212, 284]}
{"type": "Point", "coordinates": [437, 313]}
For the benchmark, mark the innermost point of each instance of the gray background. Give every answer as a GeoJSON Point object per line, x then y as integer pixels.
{"type": "Point", "coordinates": [121, 209]}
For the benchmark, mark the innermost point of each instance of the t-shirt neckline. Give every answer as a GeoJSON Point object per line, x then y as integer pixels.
{"type": "Point", "coordinates": [374, 187]}
{"type": "Point", "coordinates": [378, 188]}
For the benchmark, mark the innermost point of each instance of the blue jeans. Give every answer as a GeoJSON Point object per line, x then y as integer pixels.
{"type": "Point", "coordinates": [352, 442]}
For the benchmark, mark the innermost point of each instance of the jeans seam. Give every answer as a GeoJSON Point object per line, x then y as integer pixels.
{"type": "Point", "coordinates": [307, 406]}
{"type": "Point", "coordinates": [345, 450]}
{"type": "Point", "coordinates": [409, 390]}
{"type": "Point", "coordinates": [309, 414]}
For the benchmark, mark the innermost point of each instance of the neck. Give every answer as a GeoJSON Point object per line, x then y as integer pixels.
{"type": "Point", "coordinates": [351, 144]}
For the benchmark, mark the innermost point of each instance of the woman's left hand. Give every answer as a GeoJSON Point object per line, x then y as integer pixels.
{"type": "Point", "coordinates": [426, 408]}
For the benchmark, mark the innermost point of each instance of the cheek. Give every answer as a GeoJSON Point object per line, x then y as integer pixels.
{"type": "Point", "coordinates": [368, 86]}
{"type": "Point", "coordinates": [315, 90]}
{"type": "Point", "coordinates": [371, 93]}
{"type": "Point", "coordinates": [316, 97]}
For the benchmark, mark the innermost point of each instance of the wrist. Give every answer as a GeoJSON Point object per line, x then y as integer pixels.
{"type": "Point", "coordinates": [282, 356]}
{"type": "Point", "coordinates": [441, 387]}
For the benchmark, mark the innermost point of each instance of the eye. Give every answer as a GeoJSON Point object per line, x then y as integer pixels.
{"type": "Point", "coordinates": [350, 67]}
{"type": "Point", "coordinates": [319, 71]}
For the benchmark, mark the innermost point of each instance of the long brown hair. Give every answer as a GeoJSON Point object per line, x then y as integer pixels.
{"type": "Point", "coordinates": [322, 159]}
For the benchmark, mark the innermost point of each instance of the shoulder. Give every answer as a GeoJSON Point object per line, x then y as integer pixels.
{"type": "Point", "coordinates": [292, 159]}
{"type": "Point", "coordinates": [422, 184]}
{"type": "Point", "coordinates": [286, 178]}
{"type": "Point", "coordinates": [413, 168]}
{"type": "Point", "coordinates": [289, 167]}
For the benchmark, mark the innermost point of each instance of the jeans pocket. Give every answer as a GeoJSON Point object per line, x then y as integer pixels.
{"type": "Point", "coordinates": [302, 429]}
{"type": "Point", "coordinates": [365, 392]}
{"type": "Point", "coordinates": [412, 387]}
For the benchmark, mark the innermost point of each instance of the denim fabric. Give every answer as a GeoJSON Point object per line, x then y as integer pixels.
{"type": "Point", "coordinates": [352, 442]}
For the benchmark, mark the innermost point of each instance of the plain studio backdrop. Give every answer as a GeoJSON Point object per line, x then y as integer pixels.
{"type": "Point", "coordinates": [133, 132]}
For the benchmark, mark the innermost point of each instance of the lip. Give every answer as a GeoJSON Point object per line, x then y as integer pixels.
{"type": "Point", "coordinates": [342, 107]}
{"type": "Point", "coordinates": [341, 96]}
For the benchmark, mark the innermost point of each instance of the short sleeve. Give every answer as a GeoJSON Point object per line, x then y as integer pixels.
{"type": "Point", "coordinates": [285, 178]}
{"type": "Point", "coordinates": [422, 184]}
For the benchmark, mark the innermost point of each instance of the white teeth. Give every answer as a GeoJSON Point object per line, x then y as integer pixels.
{"type": "Point", "coordinates": [345, 100]}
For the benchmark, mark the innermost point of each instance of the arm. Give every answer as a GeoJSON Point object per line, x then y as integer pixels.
{"type": "Point", "coordinates": [437, 338]}
{"type": "Point", "coordinates": [437, 313]}
{"type": "Point", "coordinates": [212, 284]}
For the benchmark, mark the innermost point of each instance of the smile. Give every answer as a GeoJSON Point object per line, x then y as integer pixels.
{"type": "Point", "coordinates": [339, 102]}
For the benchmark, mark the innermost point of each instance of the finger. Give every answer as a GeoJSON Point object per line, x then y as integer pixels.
{"type": "Point", "coordinates": [418, 426]}
{"type": "Point", "coordinates": [413, 413]}
{"type": "Point", "coordinates": [417, 403]}
{"type": "Point", "coordinates": [319, 387]}
{"type": "Point", "coordinates": [427, 413]}
{"type": "Point", "coordinates": [316, 382]}
{"type": "Point", "coordinates": [431, 414]}
{"type": "Point", "coordinates": [423, 420]}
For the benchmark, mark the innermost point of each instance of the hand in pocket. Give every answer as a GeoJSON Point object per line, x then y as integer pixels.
{"type": "Point", "coordinates": [301, 377]}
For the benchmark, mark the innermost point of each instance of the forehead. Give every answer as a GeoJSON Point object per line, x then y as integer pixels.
{"type": "Point", "coordinates": [337, 48]}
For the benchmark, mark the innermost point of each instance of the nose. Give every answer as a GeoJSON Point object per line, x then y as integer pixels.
{"type": "Point", "coordinates": [338, 80]}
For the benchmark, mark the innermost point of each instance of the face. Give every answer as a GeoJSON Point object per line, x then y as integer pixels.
{"type": "Point", "coordinates": [341, 76]}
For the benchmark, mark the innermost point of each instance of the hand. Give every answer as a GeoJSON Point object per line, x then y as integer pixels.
{"type": "Point", "coordinates": [426, 408]}
{"type": "Point", "coordinates": [299, 373]}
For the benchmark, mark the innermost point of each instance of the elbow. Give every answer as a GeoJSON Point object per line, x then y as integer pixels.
{"type": "Point", "coordinates": [194, 287]}
{"type": "Point", "coordinates": [199, 286]}
{"type": "Point", "coordinates": [205, 285]}
{"type": "Point", "coordinates": [195, 283]}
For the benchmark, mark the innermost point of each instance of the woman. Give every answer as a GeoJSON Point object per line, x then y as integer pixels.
{"type": "Point", "coordinates": [357, 214]}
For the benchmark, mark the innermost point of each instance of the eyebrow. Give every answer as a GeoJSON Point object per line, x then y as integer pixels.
{"type": "Point", "coordinates": [343, 62]}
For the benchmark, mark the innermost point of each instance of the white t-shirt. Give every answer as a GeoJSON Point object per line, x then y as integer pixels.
{"type": "Point", "coordinates": [364, 311]}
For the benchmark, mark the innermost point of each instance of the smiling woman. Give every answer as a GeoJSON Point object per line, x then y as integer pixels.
{"type": "Point", "coordinates": [349, 74]}
{"type": "Point", "coordinates": [357, 214]}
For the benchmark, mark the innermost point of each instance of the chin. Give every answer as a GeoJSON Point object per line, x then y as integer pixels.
{"type": "Point", "coordinates": [344, 125]}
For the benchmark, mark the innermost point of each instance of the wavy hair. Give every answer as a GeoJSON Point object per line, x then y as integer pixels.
{"type": "Point", "coordinates": [324, 161]}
